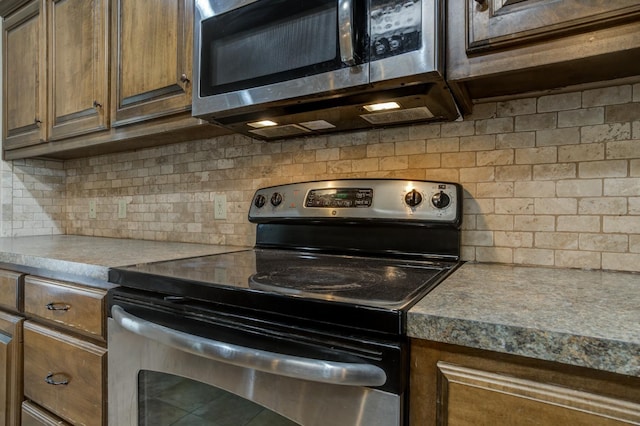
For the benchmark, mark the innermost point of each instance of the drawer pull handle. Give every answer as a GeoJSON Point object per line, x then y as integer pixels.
{"type": "Point", "coordinates": [49, 380]}
{"type": "Point", "coordinates": [58, 306]}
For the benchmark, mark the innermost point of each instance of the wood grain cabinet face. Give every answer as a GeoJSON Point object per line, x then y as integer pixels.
{"type": "Point", "coordinates": [76, 308]}
{"type": "Point", "coordinates": [10, 290]}
{"type": "Point", "coordinates": [152, 49]}
{"type": "Point", "coordinates": [32, 415]}
{"type": "Point", "coordinates": [65, 375]}
{"type": "Point", "coordinates": [24, 76]}
{"type": "Point", "coordinates": [78, 64]}
{"type": "Point", "coordinates": [10, 368]}
{"type": "Point", "coordinates": [498, 24]}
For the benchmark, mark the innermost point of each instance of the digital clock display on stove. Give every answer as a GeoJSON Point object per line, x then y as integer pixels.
{"type": "Point", "coordinates": [340, 198]}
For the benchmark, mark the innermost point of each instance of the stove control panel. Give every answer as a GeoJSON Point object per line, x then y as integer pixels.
{"type": "Point", "coordinates": [389, 199]}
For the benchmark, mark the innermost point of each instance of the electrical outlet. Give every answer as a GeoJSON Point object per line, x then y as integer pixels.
{"type": "Point", "coordinates": [92, 209]}
{"type": "Point", "coordinates": [219, 206]}
{"type": "Point", "coordinates": [122, 209]}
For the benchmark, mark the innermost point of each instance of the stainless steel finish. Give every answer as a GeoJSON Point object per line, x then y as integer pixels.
{"type": "Point", "coordinates": [345, 27]}
{"type": "Point", "coordinates": [388, 200]}
{"type": "Point", "coordinates": [339, 373]}
{"type": "Point", "coordinates": [209, 8]}
{"type": "Point", "coordinates": [296, 399]}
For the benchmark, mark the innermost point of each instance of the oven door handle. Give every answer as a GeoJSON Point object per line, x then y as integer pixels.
{"type": "Point", "coordinates": [340, 373]}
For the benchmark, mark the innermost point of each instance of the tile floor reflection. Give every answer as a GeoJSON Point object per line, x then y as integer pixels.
{"type": "Point", "coordinates": [168, 400]}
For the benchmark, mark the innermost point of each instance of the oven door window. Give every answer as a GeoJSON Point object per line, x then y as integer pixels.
{"type": "Point", "coordinates": [165, 399]}
{"type": "Point", "coordinates": [268, 42]}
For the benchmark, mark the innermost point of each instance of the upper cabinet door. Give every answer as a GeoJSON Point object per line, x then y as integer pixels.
{"type": "Point", "coordinates": [78, 64]}
{"type": "Point", "coordinates": [152, 59]}
{"type": "Point", "coordinates": [24, 70]}
{"type": "Point", "coordinates": [497, 24]}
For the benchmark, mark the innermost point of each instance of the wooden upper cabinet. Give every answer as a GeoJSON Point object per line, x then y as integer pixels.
{"type": "Point", "coordinates": [78, 64]}
{"type": "Point", "coordinates": [24, 81]}
{"type": "Point", "coordinates": [498, 24]}
{"type": "Point", "coordinates": [151, 59]}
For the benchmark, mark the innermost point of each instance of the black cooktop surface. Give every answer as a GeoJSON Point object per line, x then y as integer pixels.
{"type": "Point", "coordinates": [357, 280]}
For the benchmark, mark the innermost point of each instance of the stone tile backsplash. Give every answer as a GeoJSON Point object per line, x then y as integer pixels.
{"type": "Point", "coordinates": [552, 180]}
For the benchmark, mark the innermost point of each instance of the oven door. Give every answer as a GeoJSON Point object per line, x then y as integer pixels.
{"type": "Point", "coordinates": [159, 375]}
{"type": "Point", "coordinates": [249, 53]}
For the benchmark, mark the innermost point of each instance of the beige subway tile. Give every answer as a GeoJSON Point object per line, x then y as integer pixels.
{"type": "Point", "coordinates": [513, 239]}
{"type": "Point", "coordinates": [381, 150]}
{"type": "Point", "coordinates": [457, 128]}
{"type": "Point", "coordinates": [579, 188]}
{"type": "Point", "coordinates": [468, 222]}
{"type": "Point", "coordinates": [494, 254]}
{"type": "Point", "coordinates": [556, 240]}
{"type": "Point", "coordinates": [315, 168]}
{"type": "Point", "coordinates": [443, 175]}
{"type": "Point", "coordinates": [555, 206]}
{"type": "Point", "coordinates": [495, 222]}
{"type": "Point", "coordinates": [394, 134]}
{"type": "Point", "coordinates": [353, 152]}
{"type": "Point", "coordinates": [478, 143]}
{"type": "Point", "coordinates": [622, 187]}
{"type": "Point", "coordinates": [606, 168]}
{"type": "Point", "coordinates": [584, 152]}
{"type": "Point", "coordinates": [516, 107]}
{"type": "Point", "coordinates": [542, 121]}
{"type": "Point", "coordinates": [566, 136]}
{"type": "Point", "coordinates": [477, 174]}
{"type": "Point", "coordinates": [534, 189]}
{"type": "Point", "coordinates": [534, 223]}
{"type": "Point", "coordinates": [602, 206]}
{"type": "Point", "coordinates": [560, 102]}
{"type": "Point", "coordinates": [620, 261]}
{"type": "Point", "coordinates": [578, 223]}
{"type": "Point", "coordinates": [482, 111]}
{"type": "Point", "coordinates": [443, 145]}
{"type": "Point", "coordinates": [623, 149]}
{"type": "Point", "coordinates": [635, 168]}
{"type": "Point", "coordinates": [577, 259]}
{"type": "Point", "coordinates": [479, 206]}
{"type": "Point", "coordinates": [621, 224]}
{"type": "Point", "coordinates": [604, 242]}
{"type": "Point", "coordinates": [459, 159]}
{"type": "Point", "coordinates": [518, 206]}
{"type": "Point", "coordinates": [554, 171]}
{"type": "Point", "coordinates": [400, 162]}
{"type": "Point", "coordinates": [537, 155]}
{"type": "Point", "coordinates": [340, 166]}
{"type": "Point", "coordinates": [606, 96]}
{"type": "Point", "coordinates": [532, 256]}
{"type": "Point", "coordinates": [605, 133]}
{"type": "Point", "coordinates": [635, 129]}
{"type": "Point", "coordinates": [634, 243]}
{"type": "Point", "coordinates": [622, 113]}
{"type": "Point", "coordinates": [516, 140]}
{"type": "Point", "coordinates": [494, 189]}
{"type": "Point", "coordinates": [411, 147]}
{"type": "Point", "coordinates": [365, 165]}
{"type": "Point", "coordinates": [495, 158]}
{"type": "Point", "coordinates": [329, 154]}
{"type": "Point", "coordinates": [424, 131]}
{"type": "Point", "coordinates": [513, 173]}
{"type": "Point", "coordinates": [468, 253]}
{"type": "Point", "coordinates": [426, 161]}
{"type": "Point", "coordinates": [494, 125]}
{"type": "Point", "coordinates": [634, 205]}
{"type": "Point", "coordinates": [477, 238]}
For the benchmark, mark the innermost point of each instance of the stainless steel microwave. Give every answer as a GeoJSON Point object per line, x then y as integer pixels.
{"type": "Point", "coordinates": [280, 68]}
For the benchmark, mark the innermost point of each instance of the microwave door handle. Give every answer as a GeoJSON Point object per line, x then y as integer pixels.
{"type": "Point", "coordinates": [345, 31]}
{"type": "Point", "coordinates": [340, 373]}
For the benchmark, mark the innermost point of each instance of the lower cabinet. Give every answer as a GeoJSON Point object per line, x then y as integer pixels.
{"type": "Point", "coordinates": [65, 375]}
{"type": "Point", "coordinates": [32, 415]}
{"type": "Point", "coordinates": [10, 368]}
{"type": "Point", "coordinates": [461, 386]}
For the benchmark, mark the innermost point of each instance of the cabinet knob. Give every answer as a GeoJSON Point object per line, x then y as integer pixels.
{"type": "Point", "coordinates": [53, 306]}
{"type": "Point", "coordinates": [37, 121]}
{"type": "Point", "coordinates": [184, 78]}
{"type": "Point", "coordinates": [49, 379]}
{"type": "Point", "coordinates": [96, 104]}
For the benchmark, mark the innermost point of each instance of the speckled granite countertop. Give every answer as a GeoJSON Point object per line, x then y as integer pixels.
{"type": "Point", "coordinates": [583, 318]}
{"type": "Point", "coordinates": [91, 257]}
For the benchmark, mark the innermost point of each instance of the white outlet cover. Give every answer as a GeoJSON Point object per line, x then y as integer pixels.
{"type": "Point", "coordinates": [219, 206]}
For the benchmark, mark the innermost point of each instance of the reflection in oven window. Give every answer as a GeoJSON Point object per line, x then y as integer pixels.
{"type": "Point", "coordinates": [168, 400]}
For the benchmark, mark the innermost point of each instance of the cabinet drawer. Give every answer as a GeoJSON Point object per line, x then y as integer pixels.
{"type": "Point", "coordinates": [65, 375]}
{"type": "Point", "coordinates": [77, 308]}
{"type": "Point", "coordinates": [32, 415]}
{"type": "Point", "coordinates": [10, 294]}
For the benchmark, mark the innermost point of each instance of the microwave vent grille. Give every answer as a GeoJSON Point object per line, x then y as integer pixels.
{"type": "Point", "coordinates": [280, 131]}
{"type": "Point", "coordinates": [405, 115]}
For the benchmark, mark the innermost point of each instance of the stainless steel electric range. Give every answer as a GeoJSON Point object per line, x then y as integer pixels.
{"type": "Point", "coordinates": [309, 323]}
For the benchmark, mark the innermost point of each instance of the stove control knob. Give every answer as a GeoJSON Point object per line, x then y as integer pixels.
{"type": "Point", "coordinates": [413, 198]}
{"type": "Point", "coordinates": [260, 201]}
{"type": "Point", "coordinates": [440, 200]}
{"type": "Point", "coordinates": [276, 199]}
